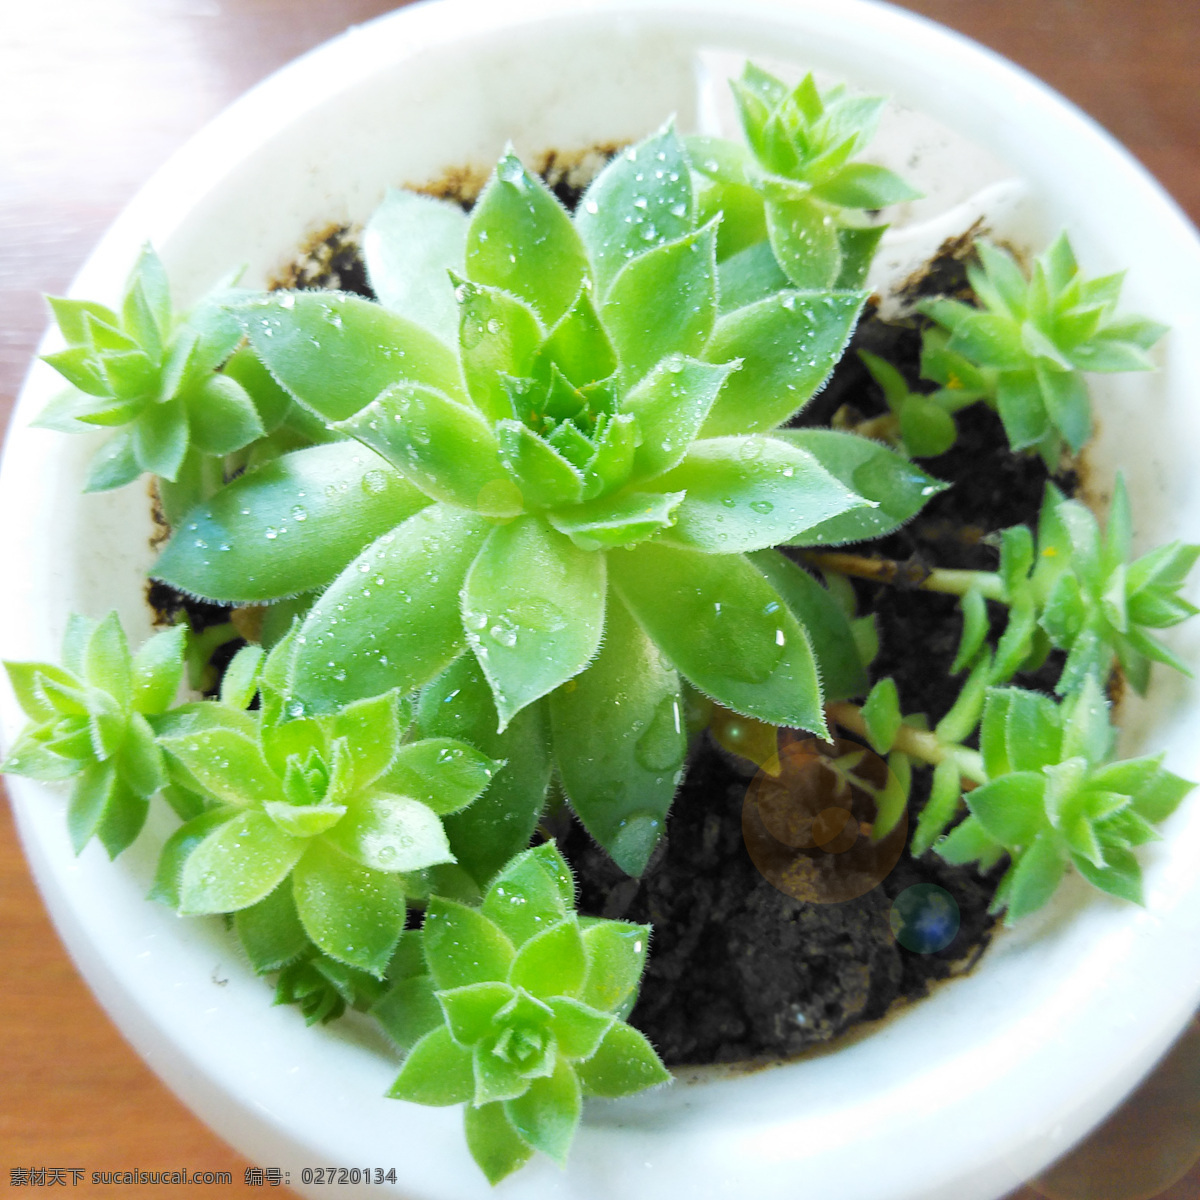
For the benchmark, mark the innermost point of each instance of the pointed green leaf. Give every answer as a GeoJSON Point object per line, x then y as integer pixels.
{"type": "Point", "coordinates": [462, 946]}
{"type": "Point", "coordinates": [533, 891]}
{"type": "Point", "coordinates": [578, 1028]}
{"type": "Point", "coordinates": [353, 913]}
{"type": "Point", "coordinates": [107, 663]}
{"type": "Point", "coordinates": [336, 353]}
{"type": "Point", "coordinates": [521, 238]}
{"type": "Point", "coordinates": [222, 416]}
{"type": "Point", "coordinates": [1031, 731]}
{"type": "Point", "coordinates": [748, 493]}
{"type": "Point", "coordinates": [1036, 876]}
{"type": "Point", "coordinates": [533, 609]}
{"type": "Point", "coordinates": [176, 850]}
{"type": "Point", "coordinates": [991, 341]}
{"type": "Point", "coordinates": [158, 670]}
{"type": "Point", "coordinates": [545, 477]}
{"type": "Point", "coordinates": [939, 810]}
{"type": "Point", "coordinates": [547, 1115]}
{"type": "Point", "coordinates": [619, 741]}
{"type": "Point", "coordinates": [70, 317]}
{"type": "Point", "coordinates": [621, 520]}
{"type": "Point", "coordinates": [139, 760]}
{"type": "Point", "coordinates": [670, 405]}
{"type": "Point", "coordinates": [485, 835]}
{"type": "Point", "coordinates": [1021, 407]}
{"type": "Point", "coordinates": [270, 931]}
{"type": "Point", "coordinates": [1158, 799]}
{"type": "Point", "coordinates": [681, 276]}
{"type": "Point", "coordinates": [160, 438]}
{"type": "Point", "coordinates": [611, 465]}
{"type": "Point", "coordinates": [874, 472]}
{"type": "Point", "coordinates": [788, 343]}
{"type": "Point", "coordinates": [80, 366]}
{"type": "Point", "coordinates": [551, 963]}
{"type": "Point", "coordinates": [442, 446]}
{"type": "Point", "coordinates": [840, 664]}
{"type": "Point", "coordinates": [865, 185]}
{"type": "Point", "coordinates": [641, 200]}
{"type": "Point", "coordinates": [226, 763]}
{"type": "Point", "coordinates": [237, 865]}
{"type": "Point", "coordinates": [968, 842]}
{"type": "Point", "coordinates": [390, 833]}
{"type": "Point", "coordinates": [616, 956]}
{"type": "Point", "coordinates": [440, 772]}
{"type": "Point", "coordinates": [625, 1063]}
{"type": "Point", "coordinates": [408, 1010]}
{"type": "Point", "coordinates": [498, 336]}
{"type": "Point", "coordinates": [469, 1010]}
{"type": "Point", "coordinates": [804, 237]}
{"type": "Point", "coordinates": [91, 797]}
{"type": "Point", "coordinates": [726, 630]}
{"type": "Point", "coordinates": [410, 245]}
{"type": "Point", "coordinates": [239, 684]}
{"type": "Point", "coordinates": [750, 274]}
{"type": "Point", "coordinates": [1066, 399]}
{"type": "Point", "coordinates": [1120, 876]}
{"type": "Point", "coordinates": [390, 620]}
{"type": "Point", "coordinates": [497, 1148]}
{"type": "Point", "coordinates": [114, 465]}
{"type": "Point", "coordinates": [246, 543]}
{"type": "Point", "coordinates": [1011, 809]}
{"type": "Point", "coordinates": [437, 1072]}
{"type": "Point", "coordinates": [578, 345]}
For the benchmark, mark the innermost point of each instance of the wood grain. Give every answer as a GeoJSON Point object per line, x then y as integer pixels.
{"type": "Point", "coordinates": [94, 96]}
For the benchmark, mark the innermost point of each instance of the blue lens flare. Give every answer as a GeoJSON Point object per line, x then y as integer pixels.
{"type": "Point", "coordinates": [924, 918]}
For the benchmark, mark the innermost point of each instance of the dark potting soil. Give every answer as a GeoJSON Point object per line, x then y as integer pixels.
{"type": "Point", "coordinates": [740, 971]}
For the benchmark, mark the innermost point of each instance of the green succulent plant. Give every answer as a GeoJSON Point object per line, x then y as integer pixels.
{"type": "Point", "coordinates": [1028, 345]}
{"type": "Point", "coordinates": [153, 377]}
{"type": "Point", "coordinates": [515, 1008]}
{"type": "Point", "coordinates": [793, 185]}
{"type": "Point", "coordinates": [1096, 601]}
{"type": "Point", "coordinates": [334, 806]}
{"type": "Point", "coordinates": [572, 495]}
{"type": "Point", "coordinates": [1054, 799]}
{"type": "Point", "coordinates": [91, 720]}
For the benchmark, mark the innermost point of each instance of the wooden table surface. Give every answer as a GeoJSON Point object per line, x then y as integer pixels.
{"type": "Point", "coordinates": [93, 97]}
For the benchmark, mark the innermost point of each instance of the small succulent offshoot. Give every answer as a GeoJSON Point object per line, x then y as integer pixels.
{"type": "Point", "coordinates": [1072, 587]}
{"type": "Point", "coordinates": [516, 1009]}
{"type": "Point", "coordinates": [793, 186]}
{"type": "Point", "coordinates": [336, 810]}
{"type": "Point", "coordinates": [1027, 347]}
{"type": "Point", "coordinates": [90, 720]}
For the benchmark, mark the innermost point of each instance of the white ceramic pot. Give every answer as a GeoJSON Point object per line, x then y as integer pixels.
{"type": "Point", "coordinates": [960, 1097]}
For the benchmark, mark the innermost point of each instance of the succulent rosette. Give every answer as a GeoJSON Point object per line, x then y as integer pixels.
{"type": "Point", "coordinates": [336, 810]}
{"type": "Point", "coordinates": [515, 1008]}
{"type": "Point", "coordinates": [570, 494]}
{"type": "Point", "coordinates": [1027, 346]}
{"type": "Point", "coordinates": [90, 720]}
{"type": "Point", "coordinates": [1055, 798]}
{"type": "Point", "coordinates": [792, 192]}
